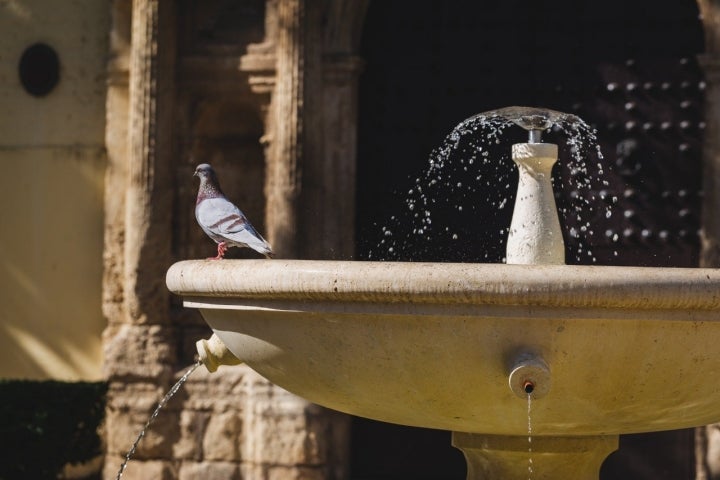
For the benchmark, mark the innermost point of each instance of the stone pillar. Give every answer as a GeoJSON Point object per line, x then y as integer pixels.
{"type": "Point", "coordinates": [285, 131]}
{"type": "Point", "coordinates": [707, 439]}
{"type": "Point", "coordinates": [149, 190]}
{"type": "Point", "coordinates": [311, 125]}
{"type": "Point", "coordinates": [329, 189]}
{"type": "Point", "coordinates": [139, 343]}
{"type": "Point", "coordinates": [328, 226]}
{"type": "Point", "coordinates": [116, 134]}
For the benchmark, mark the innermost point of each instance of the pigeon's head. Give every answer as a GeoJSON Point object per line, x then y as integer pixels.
{"type": "Point", "coordinates": [205, 172]}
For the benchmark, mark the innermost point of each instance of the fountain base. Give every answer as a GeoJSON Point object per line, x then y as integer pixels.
{"type": "Point", "coordinates": [507, 457]}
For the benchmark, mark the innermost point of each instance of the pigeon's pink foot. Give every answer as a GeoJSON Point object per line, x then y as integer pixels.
{"type": "Point", "coordinates": [222, 248]}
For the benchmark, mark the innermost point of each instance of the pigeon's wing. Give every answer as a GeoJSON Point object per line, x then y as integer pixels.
{"type": "Point", "coordinates": [220, 217]}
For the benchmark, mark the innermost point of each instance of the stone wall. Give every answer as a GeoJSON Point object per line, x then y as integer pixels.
{"type": "Point", "coordinates": [227, 425]}
{"type": "Point", "coordinates": [53, 160]}
{"type": "Point", "coordinates": [223, 82]}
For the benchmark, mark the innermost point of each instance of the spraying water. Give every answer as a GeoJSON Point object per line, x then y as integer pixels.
{"type": "Point", "coordinates": [154, 415]}
{"type": "Point", "coordinates": [470, 181]}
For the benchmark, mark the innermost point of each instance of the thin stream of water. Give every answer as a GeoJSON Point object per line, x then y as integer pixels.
{"type": "Point", "coordinates": [529, 419]}
{"type": "Point", "coordinates": [154, 415]}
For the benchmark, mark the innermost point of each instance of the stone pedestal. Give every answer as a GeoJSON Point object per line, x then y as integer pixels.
{"type": "Point", "coordinates": [540, 458]}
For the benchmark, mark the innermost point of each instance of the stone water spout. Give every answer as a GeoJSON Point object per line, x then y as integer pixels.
{"type": "Point", "coordinates": [601, 351]}
{"type": "Point", "coordinates": [535, 236]}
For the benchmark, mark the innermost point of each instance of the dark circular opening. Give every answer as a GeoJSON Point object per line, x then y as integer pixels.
{"type": "Point", "coordinates": [528, 387]}
{"type": "Point", "coordinates": [39, 69]}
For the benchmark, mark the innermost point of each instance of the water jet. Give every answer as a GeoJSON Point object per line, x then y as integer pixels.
{"type": "Point", "coordinates": [438, 344]}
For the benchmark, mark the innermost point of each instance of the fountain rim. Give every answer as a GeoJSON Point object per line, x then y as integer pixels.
{"type": "Point", "coordinates": [571, 286]}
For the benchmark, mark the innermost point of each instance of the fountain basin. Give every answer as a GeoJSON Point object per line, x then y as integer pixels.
{"type": "Point", "coordinates": [628, 349]}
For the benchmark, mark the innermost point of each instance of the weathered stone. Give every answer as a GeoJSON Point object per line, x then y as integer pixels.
{"type": "Point", "coordinates": [148, 193]}
{"type": "Point", "coordinates": [140, 470]}
{"type": "Point", "coordinates": [192, 429]}
{"type": "Point", "coordinates": [281, 428]}
{"type": "Point", "coordinates": [143, 351]}
{"type": "Point", "coordinates": [167, 111]}
{"type": "Point", "coordinates": [295, 473]}
{"type": "Point", "coordinates": [221, 391]}
{"type": "Point", "coordinates": [210, 471]}
{"type": "Point", "coordinates": [136, 396]}
{"type": "Point", "coordinates": [222, 437]}
{"type": "Point", "coordinates": [252, 471]}
{"type": "Point", "coordinates": [123, 427]}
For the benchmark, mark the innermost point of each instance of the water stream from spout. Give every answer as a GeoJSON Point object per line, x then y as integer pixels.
{"type": "Point", "coordinates": [529, 423]}
{"type": "Point", "coordinates": [154, 415]}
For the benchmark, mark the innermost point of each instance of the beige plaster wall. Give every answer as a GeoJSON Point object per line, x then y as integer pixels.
{"type": "Point", "coordinates": [52, 163]}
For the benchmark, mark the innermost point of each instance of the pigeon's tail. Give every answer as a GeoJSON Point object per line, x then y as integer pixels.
{"type": "Point", "coordinates": [261, 246]}
{"type": "Point", "coordinates": [269, 255]}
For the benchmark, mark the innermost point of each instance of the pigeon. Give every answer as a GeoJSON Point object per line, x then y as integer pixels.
{"type": "Point", "coordinates": [223, 221]}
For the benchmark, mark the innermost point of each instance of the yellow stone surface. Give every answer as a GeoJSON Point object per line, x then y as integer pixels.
{"type": "Point", "coordinates": [612, 350]}
{"type": "Point", "coordinates": [51, 193]}
{"type": "Point", "coordinates": [629, 349]}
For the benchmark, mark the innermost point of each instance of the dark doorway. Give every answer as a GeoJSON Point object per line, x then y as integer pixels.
{"type": "Point", "coordinates": [627, 68]}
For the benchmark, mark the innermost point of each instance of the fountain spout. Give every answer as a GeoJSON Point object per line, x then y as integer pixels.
{"type": "Point", "coordinates": [213, 353]}
{"type": "Point", "coordinates": [534, 136]}
{"type": "Point", "coordinates": [529, 375]}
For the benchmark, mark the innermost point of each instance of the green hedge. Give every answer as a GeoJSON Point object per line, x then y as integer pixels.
{"type": "Point", "coordinates": [45, 425]}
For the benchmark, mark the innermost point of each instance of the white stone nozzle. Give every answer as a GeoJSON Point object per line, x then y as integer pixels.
{"type": "Point", "coordinates": [535, 236]}
{"type": "Point", "coordinates": [529, 376]}
{"type": "Point", "coordinates": [213, 353]}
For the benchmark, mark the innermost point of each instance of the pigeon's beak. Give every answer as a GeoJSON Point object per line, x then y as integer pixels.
{"type": "Point", "coordinates": [195, 174]}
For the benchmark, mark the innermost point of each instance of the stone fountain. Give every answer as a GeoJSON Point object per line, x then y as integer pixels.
{"type": "Point", "coordinates": [600, 351]}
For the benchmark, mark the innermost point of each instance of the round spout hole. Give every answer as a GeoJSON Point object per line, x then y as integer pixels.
{"type": "Point", "coordinates": [529, 376]}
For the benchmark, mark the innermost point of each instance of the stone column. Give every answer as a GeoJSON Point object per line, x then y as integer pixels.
{"type": "Point", "coordinates": [329, 192]}
{"type": "Point", "coordinates": [116, 134]}
{"type": "Point", "coordinates": [329, 189]}
{"type": "Point", "coordinates": [707, 439]}
{"type": "Point", "coordinates": [312, 127]}
{"type": "Point", "coordinates": [285, 130]}
{"type": "Point", "coordinates": [139, 342]}
{"type": "Point", "coordinates": [149, 190]}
